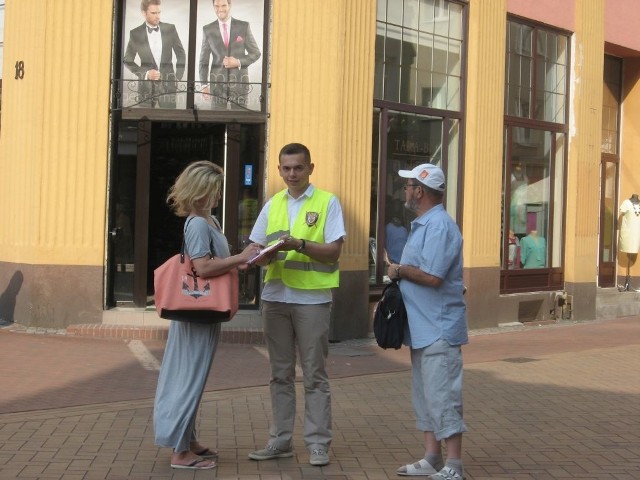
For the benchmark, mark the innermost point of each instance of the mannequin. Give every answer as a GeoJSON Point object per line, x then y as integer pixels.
{"type": "Point", "coordinates": [630, 234]}
{"type": "Point", "coordinates": [533, 251]}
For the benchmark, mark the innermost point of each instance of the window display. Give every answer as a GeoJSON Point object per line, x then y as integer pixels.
{"type": "Point", "coordinates": [536, 79]}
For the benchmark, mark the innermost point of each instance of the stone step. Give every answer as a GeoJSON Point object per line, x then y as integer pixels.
{"type": "Point", "coordinates": [612, 303]}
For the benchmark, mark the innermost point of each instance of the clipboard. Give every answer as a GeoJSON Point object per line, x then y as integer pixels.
{"type": "Point", "coordinates": [266, 251]}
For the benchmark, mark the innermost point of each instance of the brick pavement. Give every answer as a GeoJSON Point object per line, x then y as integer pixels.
{"type": "Point", "coordinates": [559, 402]}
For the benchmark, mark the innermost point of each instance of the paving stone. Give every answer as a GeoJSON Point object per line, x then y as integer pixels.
{"type": "Point", "coordinates": [569, 411]}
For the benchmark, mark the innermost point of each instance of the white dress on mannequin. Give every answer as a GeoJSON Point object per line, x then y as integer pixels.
{"type": "Point", "coordinates": [630, 227]}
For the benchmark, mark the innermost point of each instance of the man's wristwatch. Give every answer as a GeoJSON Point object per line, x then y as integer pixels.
{"type": "Point", "coordinates": [302, 245]}
{"type": "Point", "coordinates": [398, 272]}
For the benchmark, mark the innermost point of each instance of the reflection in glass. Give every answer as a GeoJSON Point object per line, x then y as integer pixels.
{"type": "Point", "coordinates": [381, 10]}
{"type": "Point", "coordinates": [557, 200]}
{"type": "Point", "coordinates": [608, 217]}
{"type": "Point", "coordinates": [550, 73]}
{"type": "Point", "coordinates": [373, 209]}
{"type": "Point", "coordinates": [418, 62]}
{"type": "Point", "coordinates": [395, 231]}
{"type": "Point", "coordinates": [529, 186]}
{"type": "Point", "coordinates": [410, 15]}
{"type": "Point", "coordinates": [409, 51]}
{"type": "Point", "coordinates": [611, 105]}
{"type": "Point", "coordinates": [248, 210]}
{"type": "Point", "coordinates": [122, 225]}
{"type": "Point", "coordinates": [611, 102]}
{"type": "Point", "coordinates": [411, 140]}
{"type": "Point", "coordinates": [453, 161]}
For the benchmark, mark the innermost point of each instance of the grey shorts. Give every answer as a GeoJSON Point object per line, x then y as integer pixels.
{"type": "Point", "coordinates": [437, 389]}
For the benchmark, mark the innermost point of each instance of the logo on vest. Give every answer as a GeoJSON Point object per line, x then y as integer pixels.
{"type": "Point", "coordinates": [312, 218]}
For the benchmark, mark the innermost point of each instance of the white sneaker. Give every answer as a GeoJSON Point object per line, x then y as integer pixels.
{"type": "Point", "coordinates": [319, 457]}
{"type": "Point", "coordinates": [269, 453]}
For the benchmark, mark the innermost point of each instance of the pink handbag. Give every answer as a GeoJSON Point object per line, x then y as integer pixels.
{"type": "Point", "coordinates": [180, 294]}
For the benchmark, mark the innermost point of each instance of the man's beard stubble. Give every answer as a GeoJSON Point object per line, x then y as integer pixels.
{"type": "Point", "coordinates": [411, 205]}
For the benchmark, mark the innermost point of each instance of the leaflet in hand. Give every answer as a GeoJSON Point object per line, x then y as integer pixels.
{"type": "Point", "coordinates": [266, 251]}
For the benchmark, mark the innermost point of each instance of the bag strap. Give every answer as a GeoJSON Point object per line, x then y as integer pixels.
{"type": "Point", "coordinates": [182, 249]}
{"type": "Point", "coordinates": [212, 250]}
{"type": "Point", "coordinates": [184, 229]}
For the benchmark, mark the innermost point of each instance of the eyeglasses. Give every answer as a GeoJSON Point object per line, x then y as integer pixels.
{"type": "Point", "coordinates": [410, 185]}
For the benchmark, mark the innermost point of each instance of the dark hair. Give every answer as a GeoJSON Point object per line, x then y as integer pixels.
{"type": "Point", "coordinates": [294, 149]}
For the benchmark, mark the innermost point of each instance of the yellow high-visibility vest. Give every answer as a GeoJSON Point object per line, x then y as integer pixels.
{"type": "Point", "coordinates": [296, 269]}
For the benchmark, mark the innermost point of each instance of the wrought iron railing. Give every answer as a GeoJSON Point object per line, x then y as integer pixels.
{"type": "Point", "coordinates": [172, 94]}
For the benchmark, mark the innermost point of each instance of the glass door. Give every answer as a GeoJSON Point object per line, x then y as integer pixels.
{"type": "Point", "coordinates": [608, 223]}
{"type": "Point", "coordinates": [610, 158]}
{"type": "Point", "coordinates": [143, 230]}
{"type": "Point", "coordinates": [121, 264]}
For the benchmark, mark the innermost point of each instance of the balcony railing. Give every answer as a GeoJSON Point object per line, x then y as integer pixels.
{"type": "Point", "coordinates": [170, 94]}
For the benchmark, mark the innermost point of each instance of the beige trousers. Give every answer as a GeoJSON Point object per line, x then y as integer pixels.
{"type": "Point", "coordinates": [287, 325]}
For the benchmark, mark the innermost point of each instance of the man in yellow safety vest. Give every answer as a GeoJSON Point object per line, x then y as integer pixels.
{"type": "Point", "coordinates": [296, 302]}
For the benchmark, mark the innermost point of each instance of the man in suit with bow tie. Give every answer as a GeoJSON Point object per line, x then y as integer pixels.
{"type": "Point", "coordinates": [154, 43]}
{"type": "Point", "coordinates": [228, 48]}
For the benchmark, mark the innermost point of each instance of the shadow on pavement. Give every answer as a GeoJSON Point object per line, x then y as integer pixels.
{"type": "Point", "coordinates": [48, 371]}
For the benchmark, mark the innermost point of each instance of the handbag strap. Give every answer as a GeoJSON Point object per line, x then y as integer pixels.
{"type": "Point", "coordinates": [211, 249]}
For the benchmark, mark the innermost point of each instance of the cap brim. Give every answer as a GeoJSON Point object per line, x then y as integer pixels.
{"type": "Point", "coordinates": [406, 173]}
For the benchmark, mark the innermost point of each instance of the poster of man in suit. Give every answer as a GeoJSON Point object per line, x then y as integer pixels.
{"type": "Point", "coordinates": [230, 56]}
{"type": "Point", "coordinates": [154, 58]}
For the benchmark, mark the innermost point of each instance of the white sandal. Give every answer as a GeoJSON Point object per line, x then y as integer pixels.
{"type": "Point", "coordinates": [421, 468]}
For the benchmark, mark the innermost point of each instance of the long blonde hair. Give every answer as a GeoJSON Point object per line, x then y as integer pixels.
{"type": "Point", "coordinates": [200, 180]}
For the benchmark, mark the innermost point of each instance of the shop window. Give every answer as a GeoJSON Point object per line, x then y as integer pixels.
{"type": "Point", "coordinates": [417, 117]}
{"type": "Point", "coordinates": [536, 79]}
{"type": "Point", "coordinates": [419, 53]}
{"type": "Point", "coordinates": [535, 156]}
{"type": "Point", "coordinates": [611, 93]}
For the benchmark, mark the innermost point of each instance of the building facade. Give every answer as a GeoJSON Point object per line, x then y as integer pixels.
{"type": "Point", "coordinates": [529, 107]}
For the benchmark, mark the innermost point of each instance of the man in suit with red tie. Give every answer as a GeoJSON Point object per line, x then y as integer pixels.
{"type": "Point", "coordinates": [154, 43]}
{"type": "Point", "coordinates": [228, 48]}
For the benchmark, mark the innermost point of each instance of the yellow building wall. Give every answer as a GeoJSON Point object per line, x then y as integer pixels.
{"type": "Point", "coordinates": [321, 95]}
{"type": "Point", "coordinates": [484, 152]}
{"type": "Point", "coordinates": [583, 175]}
{"type": "Point", "coordinates": [55, 123]}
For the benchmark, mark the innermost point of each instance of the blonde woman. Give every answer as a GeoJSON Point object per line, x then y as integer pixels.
{"type": "Point", "coordinates": [190, 346]}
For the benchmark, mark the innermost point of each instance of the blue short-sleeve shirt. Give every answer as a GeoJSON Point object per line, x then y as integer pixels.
{"type": "Point", "coordinates": [435, 246]}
